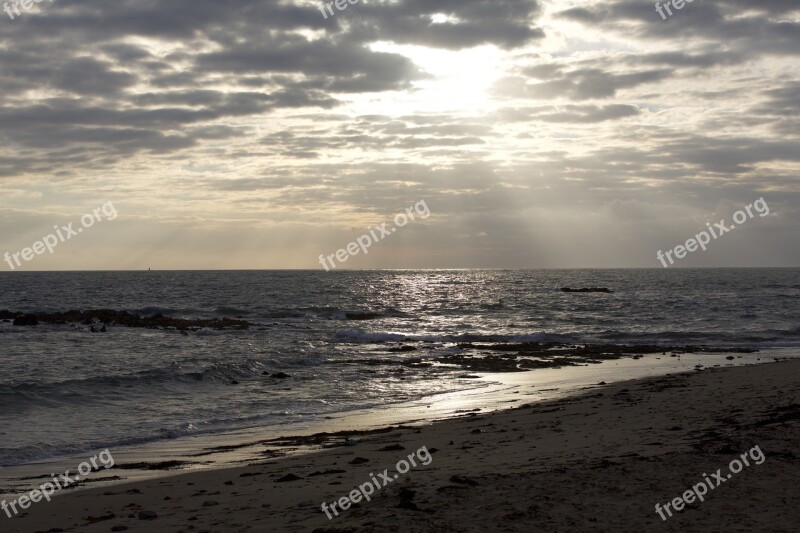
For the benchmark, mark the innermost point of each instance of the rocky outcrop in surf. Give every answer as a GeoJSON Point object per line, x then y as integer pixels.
{"type": "Point", "coordinates": [587, 289]}
{"type": "Point", "coordinates": [123, 319]}
{"type": "Point", "coordinates": [519, 357]}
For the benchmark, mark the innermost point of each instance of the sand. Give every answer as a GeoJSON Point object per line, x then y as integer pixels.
{"type": "Point", "coordinates": [599, 461]}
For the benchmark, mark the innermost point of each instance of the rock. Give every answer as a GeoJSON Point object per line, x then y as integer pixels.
{"type": "Point", "coordinates": [280, 375]}
{"type": "Point", "coordinates": [592, 289]}
{"type": "Point", "coordinates": [26, 320]}
{"type": "Point", "coordinates": [119, 528]}
{"type": "Point", "coordinates": [103, 329]}
{"type": "Point", "coordinates": [392, 448]}
{"type": "Point", "coordinates": [126, 319]}
{"type": "Point", "coordinates": [210, 503]}
{"type": "Point", "coordinates": [359, 461]}
{"type": "Point", "coordinates": [164, 465]}
{"type": "Point", "coordinates": [288, 477]}
{"type": "Point", "coordinates": [147, 515]}
{"type": "Point", "coordinates": [411, 506]}
{"type": "Point", "coordinates": [101, 518]}
{"type": "Point", "coordinates": [407, 494]}
{"type": "Point", "coordinates": [402, 348]}
{"type": "Point", "coordinates": [328, 472]}
{"type": "Point", "coordinates": [463, 480]}
{"type": "Point", "coordinates": [451, 488]}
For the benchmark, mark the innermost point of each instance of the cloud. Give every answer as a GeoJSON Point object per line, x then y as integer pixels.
{"type": "Point", "coordinates": [531, 128]}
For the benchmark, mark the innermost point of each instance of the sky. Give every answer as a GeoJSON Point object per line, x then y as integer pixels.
{"type": "Point", "coordinates": [255, 134]}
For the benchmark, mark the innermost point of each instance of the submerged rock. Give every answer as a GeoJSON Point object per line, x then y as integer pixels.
{"type": "Point", "coordinates": [26, 320]}
{"type": "Point", "coordinates": [590, 289]}
{"type": "Point", "coordinates": [125, 319]}
{"type": "Point", "coordinates": [402, 348]}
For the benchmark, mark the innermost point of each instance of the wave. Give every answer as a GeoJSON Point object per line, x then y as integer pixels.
{"type": "Point", "coordinates": [332, 313]}
{"type": "Point", "coordinates": [781, 286]}
{"type": "Point", "coordinates": [365, 337]}
{"type": "Point", "coordinates": [13, 401]}
{"type": "Point", "coordinates": [208, 332]}
{"type": "Point", "coordinates": [81, 387]}
{"type": "Point", "coordinates": [358, 336]}
{"type": "Point", "coordinates": [354, 335]}
{"type": "Point", "coordinates": [41, 452]}
{"type": "Point", "coordinates": [230, 311]}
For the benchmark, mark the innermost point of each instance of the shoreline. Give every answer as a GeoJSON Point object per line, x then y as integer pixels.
{"type": "Point", "coordinates": [515, 467]}
{"type": "Point", "coordinates": [498, 392]}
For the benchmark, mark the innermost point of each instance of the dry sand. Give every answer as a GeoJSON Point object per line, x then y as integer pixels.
{"type": "Point", "coordinates": [595, 462]}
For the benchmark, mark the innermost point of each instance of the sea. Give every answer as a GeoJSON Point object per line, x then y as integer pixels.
{"type": "Point", "coordinates": [340, 342]}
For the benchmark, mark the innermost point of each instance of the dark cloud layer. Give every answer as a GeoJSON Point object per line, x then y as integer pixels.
{"type": "Point", "coordinates": [596, 108]}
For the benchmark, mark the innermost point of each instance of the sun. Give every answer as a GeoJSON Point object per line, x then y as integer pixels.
{"type": "Point", "coordinates": [458, 80]}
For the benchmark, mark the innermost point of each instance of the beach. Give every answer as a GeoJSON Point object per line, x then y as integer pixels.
{"type": "Point", "coordinates": [399, 266]}
{"type": "Point", "coordinates": [597, 461]}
